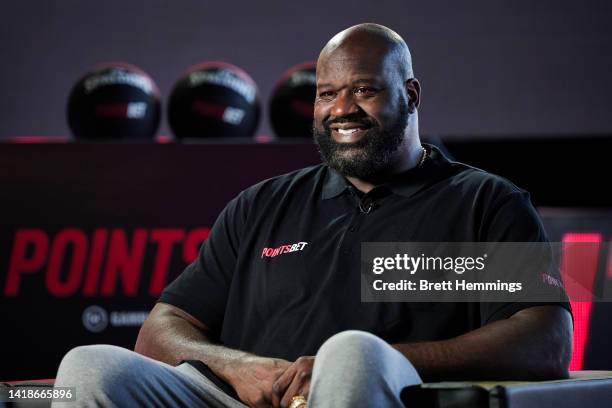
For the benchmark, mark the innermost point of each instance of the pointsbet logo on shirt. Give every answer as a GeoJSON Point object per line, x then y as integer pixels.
{"type": "Point", "coordinates": [283, 249]}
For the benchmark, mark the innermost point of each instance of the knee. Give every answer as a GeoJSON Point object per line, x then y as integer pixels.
{"type": "Point", "coordinates": [369, 360]}
{"type": "Point", "coordinates": [92, 357]}
{"type": "Point", "coordinates": [96, 364]}
{"type": "Point", "coordinates": [352, 344]}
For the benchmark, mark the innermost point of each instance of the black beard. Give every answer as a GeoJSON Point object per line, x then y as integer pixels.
{"type": "Point", "coordinates": [372, 154]}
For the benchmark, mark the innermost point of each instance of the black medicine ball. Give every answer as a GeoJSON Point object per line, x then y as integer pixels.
{"type": "Point", "coordinates": [114, 101]}
{"type": "Point", "coordinates": [214, 99]}
{"type": "Point", "coordinates": [292, 102]}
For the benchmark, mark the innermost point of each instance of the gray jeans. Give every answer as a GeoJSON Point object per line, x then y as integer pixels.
{"type": "Point", "coordinates": [352, 369]}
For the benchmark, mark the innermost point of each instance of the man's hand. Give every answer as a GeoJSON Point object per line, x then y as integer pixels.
{"type": "Point", "coordinates": [172, 335]}
{"type": "Point", "coordinates": [294, 381]}
{"type": "Point", "coordinates": [253, 378]}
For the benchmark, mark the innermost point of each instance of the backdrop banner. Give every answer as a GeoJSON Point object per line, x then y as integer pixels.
{"type": "Point", "coordinates": [91, 233]}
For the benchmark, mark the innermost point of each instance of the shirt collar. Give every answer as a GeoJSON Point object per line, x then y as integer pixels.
{"type": "Point", "coordinates": [334, 184]}
{"type": "Point", "coordinates": [406, 184]}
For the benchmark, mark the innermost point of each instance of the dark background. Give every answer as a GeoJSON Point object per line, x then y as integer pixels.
{"type": "Point", "coordinates": [521, 88]}
{"type": "Point", "coordinates": [487, 68]}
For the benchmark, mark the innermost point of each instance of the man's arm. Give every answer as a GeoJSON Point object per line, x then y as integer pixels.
{"type": "Point", "coordinates": [533, 344]}
{"type": "Point", "coordinates": [172, 335]}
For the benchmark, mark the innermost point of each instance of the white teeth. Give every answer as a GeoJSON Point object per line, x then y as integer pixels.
{"type": "Point", "coordinates": [348, 131]}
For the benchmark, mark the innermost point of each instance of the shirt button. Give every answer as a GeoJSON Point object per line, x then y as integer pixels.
{"type": "Point", "coordinates": [352, 229]}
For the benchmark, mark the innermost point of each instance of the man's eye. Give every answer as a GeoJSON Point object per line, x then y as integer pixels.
{"type": "Point", "coordinates": [365, 91]}
{"type": "Point", "coordinates": [326, 95]}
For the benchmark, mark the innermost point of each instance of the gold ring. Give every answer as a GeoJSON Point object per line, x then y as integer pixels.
{"type": "Point", "coordinates": [299, 401]}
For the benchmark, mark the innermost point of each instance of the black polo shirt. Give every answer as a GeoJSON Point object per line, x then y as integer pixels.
{"type": "Point", "coordinates": [280, 271]}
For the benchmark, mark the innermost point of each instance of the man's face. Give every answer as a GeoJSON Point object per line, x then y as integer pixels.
{"type": "Point", "coordinates": [361, 111]}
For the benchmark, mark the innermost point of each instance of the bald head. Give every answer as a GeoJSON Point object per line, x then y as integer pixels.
{"type": "Point", "coordinates": [369, 40]}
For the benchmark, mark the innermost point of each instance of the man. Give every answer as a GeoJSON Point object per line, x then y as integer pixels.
{"type": "Point", "coordinates": [270, 312]}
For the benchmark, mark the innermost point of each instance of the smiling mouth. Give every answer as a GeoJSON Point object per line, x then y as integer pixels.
{"type": "Point", "coordinates": [349, 131]}
{"type": "Point", "coordinates": [349, 135]}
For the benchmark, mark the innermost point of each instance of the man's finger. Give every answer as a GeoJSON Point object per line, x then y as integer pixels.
{"type": "Point", "coordinates": [299, 386]}
{"type": "Point", "coordinates": [281, 384]}
{"type": "Point", "coordinates": [306, 388]}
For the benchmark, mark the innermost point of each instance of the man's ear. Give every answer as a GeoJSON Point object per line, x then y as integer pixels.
{"type": "Point", "coordinates": [413, 89]}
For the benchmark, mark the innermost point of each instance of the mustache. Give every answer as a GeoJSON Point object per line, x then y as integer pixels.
{"type": "Point", "coordinates": [365, 121]}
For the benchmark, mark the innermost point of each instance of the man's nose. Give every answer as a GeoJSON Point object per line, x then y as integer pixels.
{"type": "Point", "coordinates": [344, 105]}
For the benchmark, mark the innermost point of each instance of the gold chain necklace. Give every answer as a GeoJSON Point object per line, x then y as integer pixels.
{"type": "Point", "coordinates": [423, 157]}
